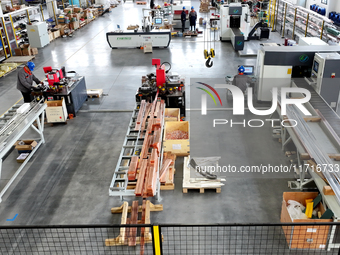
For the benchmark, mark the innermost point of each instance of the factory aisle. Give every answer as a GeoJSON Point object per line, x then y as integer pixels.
{"type": "Point", "coordinates": [67, 181]}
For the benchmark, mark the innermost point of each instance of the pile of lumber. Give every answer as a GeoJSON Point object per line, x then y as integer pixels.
{"type": "Point", "coordinates": [204, 6]}
{"type": "Point", "coordinates": [128, 235]}
{"type": "Point", "coordinates": [145, 167]}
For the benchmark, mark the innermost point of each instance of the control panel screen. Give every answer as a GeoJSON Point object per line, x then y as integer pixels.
{"type": "Point", "coordinates": [316, 66]}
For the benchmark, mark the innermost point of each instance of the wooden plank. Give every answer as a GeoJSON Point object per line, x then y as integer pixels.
{"type": "Point", "coordinates": [146, 113]}
{"type": "Point", "coordinates": [133, 168]}
{"type": "Point", "coordinates": [153, 208]}
{"type": "Point", "coordinates": [140, 115]}
{"type": "Point", "coordinates": [19, 59]}
{"type": "Point", "coordinates": [134, 220]}
{"type": "Point", "coordinates": [314, 167]}
{"type": "Point", "coordinates": [334, 156]}
{"type": "Point", "coordinates": [145, 147]}
{"type": "Point", "coordinates": [327, 190]}
{"type": "Point", "coordinates": [165, 167]}
{"type": "Point", "coordinates": [123, 221]}
{"type": "Point", "coordinates": [312, 119]}
{"type": "Point", "coordinates": [140, 181]}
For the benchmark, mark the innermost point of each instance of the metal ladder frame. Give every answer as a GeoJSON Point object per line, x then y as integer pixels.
{"type": "Point", "coordinates": [119, 183]}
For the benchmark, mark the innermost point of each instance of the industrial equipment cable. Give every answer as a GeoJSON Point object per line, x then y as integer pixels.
{"type": "Point", "coordinates": [165, 62]}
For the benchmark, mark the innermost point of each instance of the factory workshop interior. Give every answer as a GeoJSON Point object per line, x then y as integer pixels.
{"type": "Point", "coordinates": [217, 134]}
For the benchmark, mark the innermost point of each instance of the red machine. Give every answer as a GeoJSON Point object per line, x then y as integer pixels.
{"type": "Point", "coordinates": [160, 72]}
{"type": "Point", "coordinates": [54, 75]}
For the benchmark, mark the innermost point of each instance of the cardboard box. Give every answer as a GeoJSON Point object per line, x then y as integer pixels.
{"type": "Point", "coordinates": [68, 10]}
{"type": "Point", "coordinates": [56, 111]}
{"type": "Point", "coordinates": [304, 237]}
{"type": "Point", "coordinates": [56, 34]}
{"type": "Point", "coordinates": [76, 15]}
{"type": "Point", "coordinates": [74, 25]}
{"type": "Point", "coordinates": [28, 145]}
{"type": "Point", "coordinates": [177, 147]}
{"type": "Point", "coordinates": [26, 51]}
{"type": "Point", "coordinates": [200, 21]}
{"type": "Point", "coordinates": [18, 52]}
{"type": "Point", "coordinates": [34, 51]}
{"type": "Point", "coordinates": [50, 35]}
{"type": "Point", "coordinates": [172, 114]}
{"type": "Point", "coordinates": [77, 10]}
{"type": "Point", "coordinates": [22, 157]}
{"type": "Point", "coordinates": [62, 28]}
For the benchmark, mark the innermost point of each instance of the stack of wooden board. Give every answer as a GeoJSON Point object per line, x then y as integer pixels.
{"type": "Point", "coordinates": [144, 169]}
{"type": "Point", "coordinates": [204, 6]}
{"type": "Point", "coordinates": [128, 235]}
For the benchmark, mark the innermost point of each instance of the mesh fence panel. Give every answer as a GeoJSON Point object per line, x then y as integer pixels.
{"type": "Point", "coordinates": [72, 241]}
{"type": "Point", "coordinates": [177, 239]}
{"type": "Point", "coordinates": [243, 240]}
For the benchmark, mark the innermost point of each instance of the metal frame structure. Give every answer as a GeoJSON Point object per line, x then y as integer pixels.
{"type": "Point", "coordinates": [13, 131]}
{"type": "Point", "coordinates": [132, 145]}
{"type": "Point", "coordinates": [290, 134]}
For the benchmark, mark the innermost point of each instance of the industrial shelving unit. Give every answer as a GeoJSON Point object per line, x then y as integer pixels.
{"type": "Point", "coordinates": [16, 21]}
{"type": "Point", "coordinates": [295, 22]}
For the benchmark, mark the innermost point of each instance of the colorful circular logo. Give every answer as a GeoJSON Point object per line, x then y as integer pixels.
{"type": "Point", "coordinates": [303, 58]}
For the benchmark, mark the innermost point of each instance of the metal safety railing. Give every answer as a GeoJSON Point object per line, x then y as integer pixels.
{"type": "Point", "coordinates": [295, 238]}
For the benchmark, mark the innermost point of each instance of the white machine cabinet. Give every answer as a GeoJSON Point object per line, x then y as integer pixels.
{"type": "Point", "coordinates": [310, 41]}
{"type": "Point", "coordinates": [37, 34]}
{"type": "Point", "coordinates": [325, 73]}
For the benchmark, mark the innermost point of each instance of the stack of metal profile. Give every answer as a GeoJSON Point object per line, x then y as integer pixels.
{"type": "Point", "coordinates": [16, 121]}
{"type": "Point", "coordinates": [314, 150]}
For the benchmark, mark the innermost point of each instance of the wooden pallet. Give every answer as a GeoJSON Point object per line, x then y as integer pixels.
{"type": "Point", "coordinates": [128, 236]}
{"type": "Point", "coordinates": [140, 3]}
{"type": "Point", "coordinates": [189, 34]}
{"type": "Point", "coordinates": [19, 59]}
{"type": "Point", "coordinates": [9, 72]}
{"type": "Point", "coordinates": [202, 190]}
{"type": "Point", "coordinates": [200, 184]}
{"type": "Point", "coordinates": [94, 93]}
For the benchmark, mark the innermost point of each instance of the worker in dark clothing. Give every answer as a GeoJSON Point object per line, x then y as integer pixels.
{"type": "Point", "coordinates": [183, 19]}
{"type": "Point", "coordinates": [25, 81]}
{"type": "Point", "coordinates": [240, 80]}
{"type": "Point", "coordinates": [193, 18]}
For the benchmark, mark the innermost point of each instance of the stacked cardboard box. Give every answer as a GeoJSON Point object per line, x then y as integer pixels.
{"type": "Point", "coordinates": [204, 7]}
{"type": "Point", "coordinates": [24, 50]}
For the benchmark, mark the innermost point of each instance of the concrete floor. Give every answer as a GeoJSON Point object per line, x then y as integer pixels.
{"type": "Point", "coordinates": [67, 181]}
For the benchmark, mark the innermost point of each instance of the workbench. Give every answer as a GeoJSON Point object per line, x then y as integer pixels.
{"type": "Point", "coordinates": [160, 38]}
{"type": "Point", "coordinates": [74, 96]}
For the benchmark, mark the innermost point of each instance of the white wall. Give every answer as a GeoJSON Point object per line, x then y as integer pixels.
{"type": "Point", "coordinates": [331, 6]}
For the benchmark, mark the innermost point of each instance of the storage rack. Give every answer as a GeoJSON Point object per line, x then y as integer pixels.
{"type": "Point", "coordinates": [132, 146]}
{"type": "Point", "coordinates": [16, 33]}
{"type": "Point", "coordinates": [295, 22]}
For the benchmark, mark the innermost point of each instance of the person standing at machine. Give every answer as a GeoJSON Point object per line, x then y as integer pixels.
{"type": "Point", "coordinates": [193, 18]}
{"type": "Point", "coordinates": [183, 18]}
{"type": "Point", "coordinates": [25, 81]}
{"type": "Point", "coordinates": [240, 80]}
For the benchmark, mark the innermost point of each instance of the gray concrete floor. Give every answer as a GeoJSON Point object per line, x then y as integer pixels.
{"type": "Point", "coordinates": [67, 181]}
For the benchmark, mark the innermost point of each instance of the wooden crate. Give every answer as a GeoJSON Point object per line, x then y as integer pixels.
{"type": "Point", "coordinates": [304, 237]}
{"type": "Point", "coordinates": [177, 147]}
{"type": "Point", "coordinates": [172, 113]}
